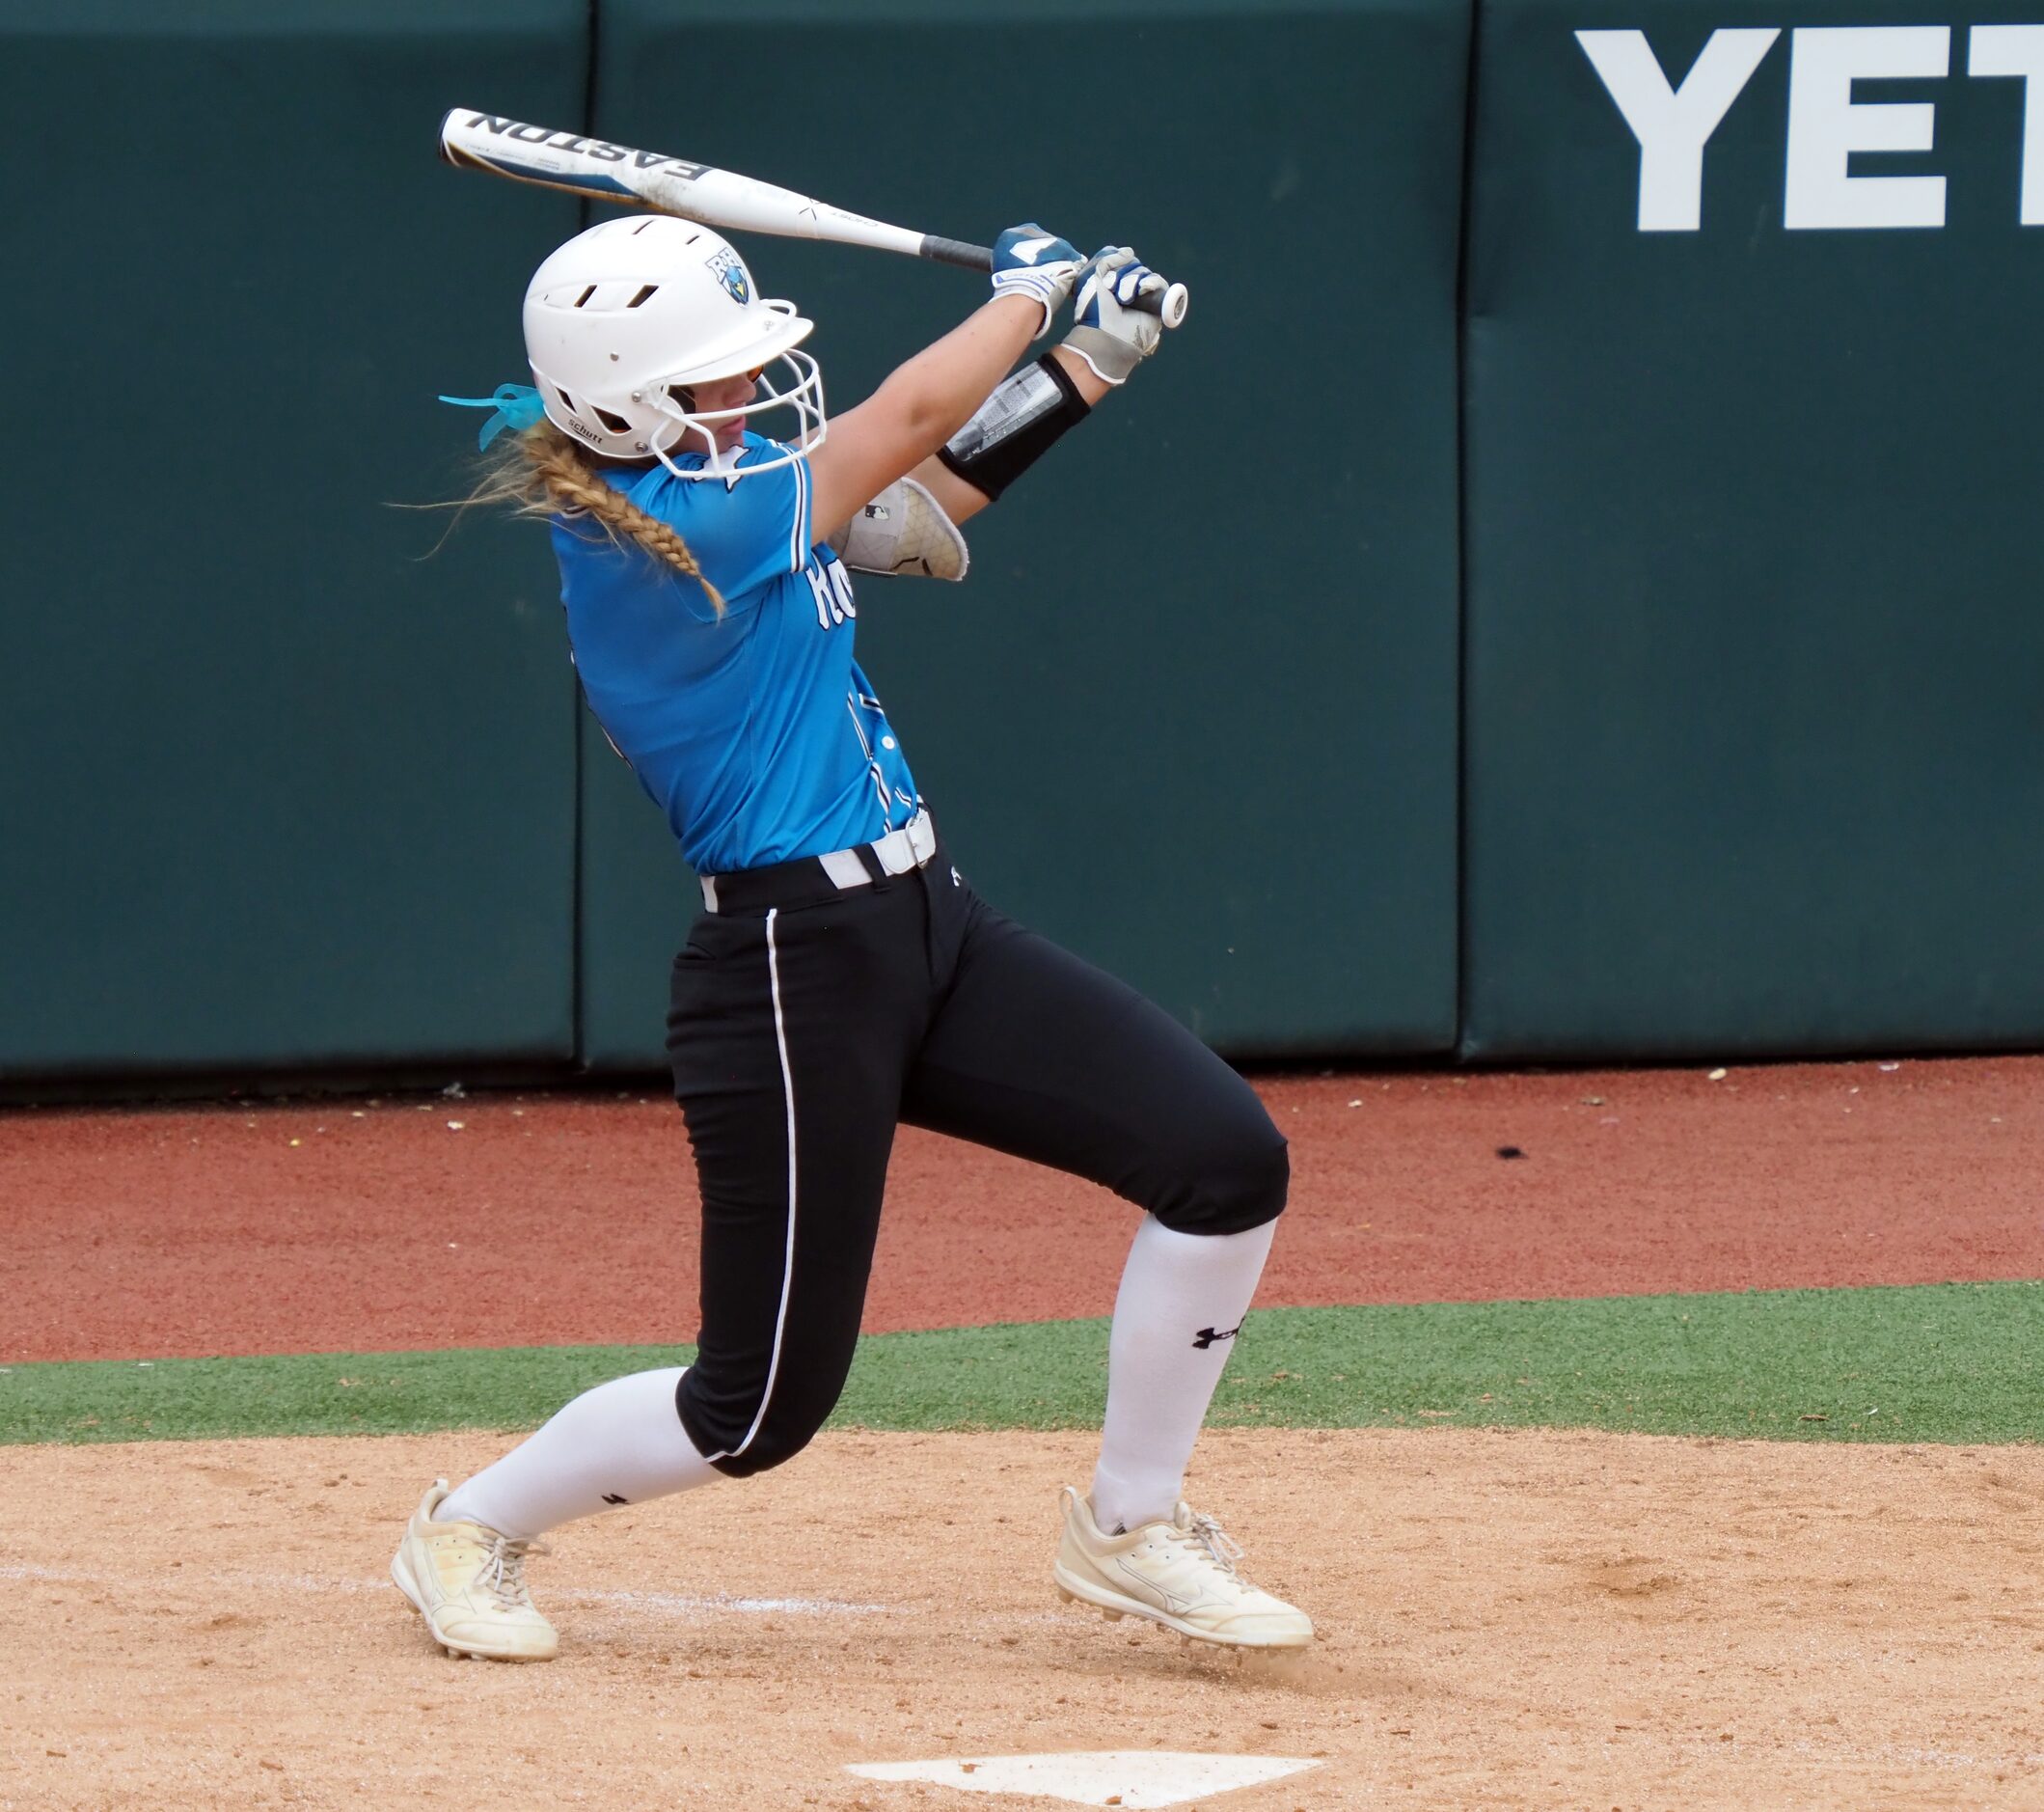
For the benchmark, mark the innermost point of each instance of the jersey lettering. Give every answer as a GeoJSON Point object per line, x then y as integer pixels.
{"type": "Point", "coordinates": [825, 604]}
{"type": "Point", "coordinates": [832, 590]}
{"type": "Point", "coordinates": [841, 586]}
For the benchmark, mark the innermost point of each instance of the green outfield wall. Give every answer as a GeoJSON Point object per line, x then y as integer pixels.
{"type": "Point", "coordinates": [1755, 730]}
{"type": "Point", "coordinates": [1570, 591]}
{"type": "Point", "coordinates": [274, 792]}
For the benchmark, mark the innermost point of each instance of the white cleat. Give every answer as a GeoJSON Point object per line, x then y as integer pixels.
{"type": "Point", "coordinates": [468, 1582]}
{"type": "Point", "coordinates": [1179, 1572]}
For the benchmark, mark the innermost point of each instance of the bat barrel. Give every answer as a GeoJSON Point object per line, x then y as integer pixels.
{"type": "Point", "coordinates": [596, 168]}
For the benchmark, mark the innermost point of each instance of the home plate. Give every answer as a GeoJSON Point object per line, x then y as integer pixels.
{"type": "Point", "coordinates": [1124, 1777]}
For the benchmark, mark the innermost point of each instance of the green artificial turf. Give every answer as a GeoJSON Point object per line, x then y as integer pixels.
{"type": "Point", "coordinates": [1944, 1362]}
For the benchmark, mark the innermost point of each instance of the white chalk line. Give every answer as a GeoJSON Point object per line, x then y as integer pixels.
{"type": "Point", "coordinates": [669, 1604]}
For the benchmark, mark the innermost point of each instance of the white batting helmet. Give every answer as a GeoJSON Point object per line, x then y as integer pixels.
{"type": "Point", "coordinates": [623, 318]}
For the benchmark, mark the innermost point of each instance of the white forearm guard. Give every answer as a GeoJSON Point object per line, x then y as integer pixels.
{"type": "Point", "coordinates": [904, 530]}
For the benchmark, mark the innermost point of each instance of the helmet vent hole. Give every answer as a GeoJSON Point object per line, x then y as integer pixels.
{"type": "Point", "coordinates": [567, 401]}
{"type": "Point", "coordinates": [584, 295]}
{"type": "Point", "coordinates": [617, 424]}
{"type": "Point", "coordinates": [648, 290]}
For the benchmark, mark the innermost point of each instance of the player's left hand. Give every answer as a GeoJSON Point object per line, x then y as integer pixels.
{"type": "Point", "coordinates": [1109, 332]}
{"type": "Point", "coordinates": [1030, 262]}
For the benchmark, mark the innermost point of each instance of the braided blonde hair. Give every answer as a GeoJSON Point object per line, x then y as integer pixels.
{"type": "Point", "coordinates": [542, 473]}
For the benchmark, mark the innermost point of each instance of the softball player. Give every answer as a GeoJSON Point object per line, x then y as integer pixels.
{"type": "Point", "coordinates": [843, 976]}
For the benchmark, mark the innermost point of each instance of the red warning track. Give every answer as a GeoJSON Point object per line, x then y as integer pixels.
{"type": "Point", "coordinates": [529, 1220]}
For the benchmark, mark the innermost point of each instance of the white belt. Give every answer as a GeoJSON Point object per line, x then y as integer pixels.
{"type": "Point", "coordinates": [897, 852]}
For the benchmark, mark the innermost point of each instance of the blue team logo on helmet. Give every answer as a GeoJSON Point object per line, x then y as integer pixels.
{"type": "Point", "coordinates": [730, 271]}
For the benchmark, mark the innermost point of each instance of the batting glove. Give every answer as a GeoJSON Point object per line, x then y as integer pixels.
{"type": "Point", "coordinates": [1108, 331]}
{"type": "Point", "coordinates": [1030, 262]}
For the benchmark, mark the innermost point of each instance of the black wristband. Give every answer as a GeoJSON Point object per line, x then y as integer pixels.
{"type": "Point", "coordinates": [1015, 426]}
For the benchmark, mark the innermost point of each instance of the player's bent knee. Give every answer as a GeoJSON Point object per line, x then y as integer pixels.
{"type": "Point", "coordinates": [770, 1448]}
{"type": "Point", "coordinates": [778, 1441]}
{"type": "Point", "coordinates": [759, 1442]}
{"type": "Point", "coordinates": [1238, 1183]}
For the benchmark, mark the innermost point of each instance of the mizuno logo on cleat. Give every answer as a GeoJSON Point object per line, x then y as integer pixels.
{"type": "Point", "coordinates": [609, 1496]}
{"type": "Point", "coordinates": [1207, 1338]}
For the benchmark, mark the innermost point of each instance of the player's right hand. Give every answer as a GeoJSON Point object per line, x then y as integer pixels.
{"type": "Point", "coordinates": [1030, 262]}
{"type": "Point", "coordinates": [1109, 332]}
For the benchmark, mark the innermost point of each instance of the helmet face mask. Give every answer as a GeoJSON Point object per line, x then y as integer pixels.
{"type": "Point", "coordinates": [792, 382]}
{"type": "Point", "coordinates": [623, 317]}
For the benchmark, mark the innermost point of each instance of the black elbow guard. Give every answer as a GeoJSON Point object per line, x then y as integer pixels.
{"type": "Point", "coordinates": [1015, 426]}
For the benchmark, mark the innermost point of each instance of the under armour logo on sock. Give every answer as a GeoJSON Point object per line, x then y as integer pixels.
{"type": "Point", "coordinates": [1207, 1338]}
{"type": "Point", "coordinates": [611, 1497]}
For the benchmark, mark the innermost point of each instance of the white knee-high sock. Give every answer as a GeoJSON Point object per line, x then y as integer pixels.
{"type": "Point", "coordinates": [621, 1443]}
{"type": "Point", "coordinates": [1182, 1298]}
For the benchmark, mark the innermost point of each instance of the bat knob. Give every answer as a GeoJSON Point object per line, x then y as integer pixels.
{"type": "Point", "coordinates": [1167, 304]}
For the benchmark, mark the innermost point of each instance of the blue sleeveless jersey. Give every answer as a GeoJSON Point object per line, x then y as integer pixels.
{"type": "Point", "coordinates": [755, 732]}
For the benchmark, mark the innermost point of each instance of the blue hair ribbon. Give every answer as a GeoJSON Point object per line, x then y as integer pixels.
{"type": "Point", "coordinates": [517, 406]}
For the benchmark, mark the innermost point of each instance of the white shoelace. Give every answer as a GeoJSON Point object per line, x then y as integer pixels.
{"type": "Point", "coordinates": [503, 1575]}
{"type": "Point", "coordinates": [1221, 1548]}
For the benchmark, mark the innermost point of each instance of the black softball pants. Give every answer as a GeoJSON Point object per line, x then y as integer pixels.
{"type": "Point", "coordinates": [800, 1036]}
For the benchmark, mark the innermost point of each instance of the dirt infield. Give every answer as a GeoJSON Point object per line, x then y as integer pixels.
{"type": "Point", "coordinates": [1509, 1620]}
{"type": "Point", "coordinates": [330, 1225]}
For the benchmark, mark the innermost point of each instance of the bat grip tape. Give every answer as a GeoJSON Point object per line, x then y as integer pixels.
{"type": "Point", "coordinates": [957, 252]}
